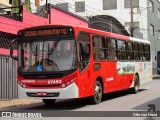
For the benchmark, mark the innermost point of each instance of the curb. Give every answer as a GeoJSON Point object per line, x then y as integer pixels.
{"type": "Point", "coordinates": [12, 106]}
{"type": "Point", "coordinates": [17, 104]}
{"type": "Point", "coordinates": [155, 76]}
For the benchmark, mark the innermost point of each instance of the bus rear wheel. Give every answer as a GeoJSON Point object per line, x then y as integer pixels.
{"type": "Point", "coordinates": [135, 89]}
{"type": "Point", "coordinates": [49, 102]}
{"type": "Point", "coordinates": [97, 97]}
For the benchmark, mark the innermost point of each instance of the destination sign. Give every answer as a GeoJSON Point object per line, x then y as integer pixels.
{"type": "Point", "coordinates": [48, 32]}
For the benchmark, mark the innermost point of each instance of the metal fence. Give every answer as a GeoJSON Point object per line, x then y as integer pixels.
{"type": "Point", "coordinates": [12, 12]}
{"type": "Point", "coordinates": [8, 78]}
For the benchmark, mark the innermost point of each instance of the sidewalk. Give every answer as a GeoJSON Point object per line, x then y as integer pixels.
{"type": "Point", "coordinates": [17, 102]}
{"type": "Point", "coordinates": [156, 76]}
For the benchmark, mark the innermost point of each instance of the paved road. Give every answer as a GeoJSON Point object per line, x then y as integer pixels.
{"type": "Point", "coordinates": [118, 101]}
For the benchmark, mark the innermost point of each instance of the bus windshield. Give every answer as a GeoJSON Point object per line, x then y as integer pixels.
{"type": "Point", "coordinates": [52, 55]}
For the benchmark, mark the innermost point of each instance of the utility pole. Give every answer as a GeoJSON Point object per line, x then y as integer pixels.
{"type": "Point", "coordinates": [131, 27]}
{"type": "Point", "coordinates": [47, 6]}
{"type": "Point", "coordinates": [19, 5]}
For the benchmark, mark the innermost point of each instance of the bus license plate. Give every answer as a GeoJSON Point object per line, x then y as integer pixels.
{"type": "Point", "coordinates": [41, 94]}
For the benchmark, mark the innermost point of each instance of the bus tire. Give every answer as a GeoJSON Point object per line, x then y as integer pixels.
{"type": "Point", "coordinates": [97, 97]}
{"type": "Point", "coordinates": [135, 89]}
{"type": "Point", "coordinates": [49, 102]}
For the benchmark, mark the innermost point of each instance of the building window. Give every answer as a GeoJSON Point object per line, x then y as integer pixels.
{"type": "Point", "coordinates": [63, 6]}
{"type": "Point", "coordinates": [158, 13]}
{"type": "Point", "coordinates": [109, 4]}
{"type": "Point", "coordinates": [151, 6]}
{"type": "Point", "coordinates": [127, 3]}
{"type": "Point", "coordinates": [80, 6]}
{"type": "Point", "coordinates": [151, 29]}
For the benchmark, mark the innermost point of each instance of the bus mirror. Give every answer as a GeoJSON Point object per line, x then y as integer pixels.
{"type": "Point", "coordinates": [11, 55]}
{"type": "Point", "coordinates": [11, 49]}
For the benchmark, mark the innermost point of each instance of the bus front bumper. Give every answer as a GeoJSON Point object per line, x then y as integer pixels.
{"type": "Point", "coordinates": [59, 93]}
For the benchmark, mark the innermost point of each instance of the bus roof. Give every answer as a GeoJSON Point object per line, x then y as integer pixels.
{"type": "Point", "coordinates": [139, 40]}
{"type": "Point", "coordinates": [100, 32]}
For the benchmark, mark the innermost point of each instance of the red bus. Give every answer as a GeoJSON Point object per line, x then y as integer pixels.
{"type": "Point", "coordinates": [60, 61]}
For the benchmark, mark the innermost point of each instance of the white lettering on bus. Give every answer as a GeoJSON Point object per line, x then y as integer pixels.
{"type": "Point", "coordinates": [54, 81]}
{"type": "Point", "coordinates": [28, 81]}
{"type": "Point", "coordinates": [109, 79]}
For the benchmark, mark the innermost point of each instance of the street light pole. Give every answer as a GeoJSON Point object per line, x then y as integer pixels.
{"type": "Point", "coordinates": [131, 27]}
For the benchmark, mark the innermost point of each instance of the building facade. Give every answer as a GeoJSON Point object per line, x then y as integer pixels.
{"type": "Point", "coordinates": [146, 16]}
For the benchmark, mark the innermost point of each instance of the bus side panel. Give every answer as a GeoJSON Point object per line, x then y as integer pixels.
{"type": "Point", "coordinates": [125, 74]}
{"type": "Point", "coordinates": [112, 81]}
{"type": "Point", "coordinates": [111, 77]}
{"type": "Point", "coordinates": [144, 71]}
{"type": "Point", "coordinates": [122, 77]}
{"type": "Point", "coordinates": [107, 73]}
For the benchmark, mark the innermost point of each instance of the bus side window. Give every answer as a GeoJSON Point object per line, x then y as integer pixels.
{"type": "Point", "coordinates": [147, 52]}
{"type": "Point", "coordinates": [99, 48]}
{"type": "Point", "coordinates": [130, 52]}
{"type": "Point", "coordinates": [142, 54]}
{"type": "Point", "coordinates": [136, 51]}
{"type": "Point", "coordinates": [111, 49]}
{"type": "Point", "coordinates": [84, 50]}
{"type": "Point", "coordinates": [121, 49]}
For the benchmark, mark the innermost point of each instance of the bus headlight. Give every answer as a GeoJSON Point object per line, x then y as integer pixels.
{"type": "Point", "coordinates": [63, 85]}
{"type": "Point", "coordinates": [22, 84]}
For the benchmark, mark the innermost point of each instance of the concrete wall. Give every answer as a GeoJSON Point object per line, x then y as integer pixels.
{"type": "Point", "coordinates": [155, 21]}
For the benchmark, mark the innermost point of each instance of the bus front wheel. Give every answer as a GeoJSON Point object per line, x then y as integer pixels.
{"type": "Point", "coordinates": [49, 102]}
{"type": "Point", "coordinates": [97, 97]}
